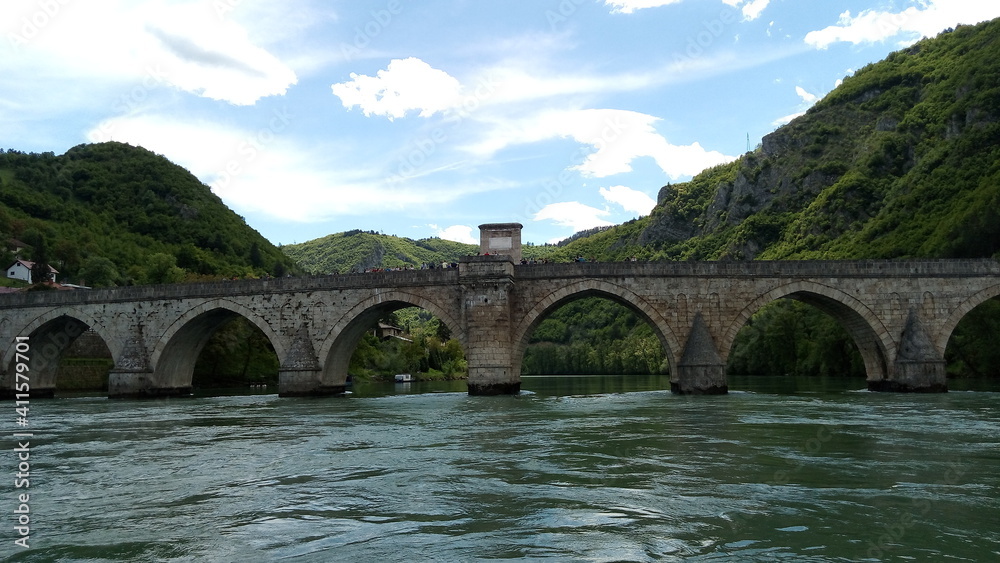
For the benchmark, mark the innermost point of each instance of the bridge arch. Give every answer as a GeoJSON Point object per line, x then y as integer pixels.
{"type": "Point", "coordinates": [873, 339]}
{"type": "Point", "coordinates": [176, 350]}
{"type": "Point", "coordinates": [592, 288]}
{"type": "Point", "coordinates": [51, 334]}
{"type": "Point", "coordinates": [338, 346]}
{"type": "Point", "coordinates": [963, 309]}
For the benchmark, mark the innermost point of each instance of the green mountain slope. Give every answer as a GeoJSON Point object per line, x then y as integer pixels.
{"type": "Point", "coordinates": [901, 160]}
{"type": "Point", "coordinates": [357, 251]}
{"type": "Point", "coordinates": [360, 250]}
{"type": "Point", "coordinates": [112, 213]}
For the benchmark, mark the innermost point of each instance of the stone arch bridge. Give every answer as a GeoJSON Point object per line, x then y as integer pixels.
{"type": "Point", "coordinates": [899, 313]}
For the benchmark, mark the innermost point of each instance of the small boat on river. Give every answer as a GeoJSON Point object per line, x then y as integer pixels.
{"type": "Point", "coordinates": [403, 378]}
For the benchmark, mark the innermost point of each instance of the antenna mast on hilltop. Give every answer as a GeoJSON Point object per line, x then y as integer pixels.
{"type": "Point", "coordinates": [748, 142]}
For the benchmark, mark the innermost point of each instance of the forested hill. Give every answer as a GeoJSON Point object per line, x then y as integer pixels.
{"type": "Point", "coordinates": [356, 251]}
{"type": "Point", "coordinates": [112, 214]}
{"type": "Point", "coordinates": [901, 160]}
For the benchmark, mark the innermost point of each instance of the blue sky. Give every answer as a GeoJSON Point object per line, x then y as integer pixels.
{"type": "Point", "coordinates": [428, 118]}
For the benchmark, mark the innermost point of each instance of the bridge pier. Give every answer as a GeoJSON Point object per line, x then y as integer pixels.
{"type": "Point", "coordinates": [701, 370]}
{"type": "Point", "coordinates": [919, 367]}
{"type": "Point", "coordinates": [493, 380]}
{"type": "Point", "coordinates": [914, 377]}
{"type": "Point", "coordinates": [133, 376]}
{"type": "Point", "coordinates": [488, 281]}
{"type": "Point", "coordinates": [301, 375]}
{"type": "Point", "coordinates": [306, 383]}
{"type": "Point", "coordinates": [126, 384]}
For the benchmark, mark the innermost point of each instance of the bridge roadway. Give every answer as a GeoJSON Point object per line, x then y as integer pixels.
{"type": "Point", "coordinates": [899, 313]}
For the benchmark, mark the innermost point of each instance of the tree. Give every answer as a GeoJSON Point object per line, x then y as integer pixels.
{"type": "Point", "coordinates": [256, 260]}
{"type": "Point", "coordinates": [98, 271]}
{"type": "Point", "coordinates": [40, 270]}
{"type": "Point", "coordinates": [278, 269]}
{"type": "Point", "coordinates": [162, 268]}
{"type": "Point", "coordinates": [66, 251]}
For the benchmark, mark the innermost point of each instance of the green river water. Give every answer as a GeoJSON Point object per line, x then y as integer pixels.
{"type": "Point", "coordinates": [573, 469]}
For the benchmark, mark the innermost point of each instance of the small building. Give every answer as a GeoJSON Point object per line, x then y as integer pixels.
{"type": "Point", "coordinates": [16, 246]}
{"type": "Point", "coordinates": [385, 332]}
{"type": "Point", "coordinates": [21, 270]}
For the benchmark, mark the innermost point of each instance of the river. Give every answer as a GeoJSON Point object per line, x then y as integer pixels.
{"type": "Point", "coordinates": [573, 469]}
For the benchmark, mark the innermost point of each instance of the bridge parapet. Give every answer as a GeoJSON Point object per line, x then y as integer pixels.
{"type": "Point", "coordinates": [766, 268]}
{"type": "Point", "coordinates": [407, 278]}
{"type": "Point", "coordinates": [486, 266]}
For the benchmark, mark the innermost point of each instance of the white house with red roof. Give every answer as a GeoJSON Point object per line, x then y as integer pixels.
{"type": "Point", "coordinates": [21, 270]}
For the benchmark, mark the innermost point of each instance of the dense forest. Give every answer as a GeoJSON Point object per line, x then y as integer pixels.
{"type": "Point", "coordinates": [113, 214]}
{"type": "Point", "coordinates": [357, 251]}
{"type": "Point", "coordinates": [594, 336]}
{"type": "Point", "coordinates": [425, 349]}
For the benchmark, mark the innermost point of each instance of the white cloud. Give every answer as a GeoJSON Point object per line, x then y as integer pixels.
{"type": "Point", "coordinates": [617, 137]}
{"type": "Point", "coordinates": [412, 84]}
{"type": "Point", "coordinates": [182, 44]}
{"type": "Point", "coordinates": [840, 81]}
{"type": "Point", "coordinates": [787, 119]}
{"type": "Point", "coordinates": [457, 233]}
{"type": "Point", "coordinates": [510, 82]}
{"type": "Point", "coordinates": [870, 26]}
{"type": "Point", "coordinates": [573, 214]}
{"type": "Point", "coordinates": [808, 100]}
{"type": "Point", "coordinates": [266, 173]}
{"type": "Point", "coordinates": [629, 6]}
{"type": "Point", "coordinates": [629, 199]}
{"type": "Point", "coordinates": [524, 78]}
{"type": "Point", "coordinates": [753, 9]}
{"type": "Point", "coordinates": [806, 96]}
{"type": "Point", "coordinates": [406, 84]}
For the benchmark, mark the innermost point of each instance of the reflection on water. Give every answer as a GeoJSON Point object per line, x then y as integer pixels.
{"type": "Point", "coordinates": [573, 469]}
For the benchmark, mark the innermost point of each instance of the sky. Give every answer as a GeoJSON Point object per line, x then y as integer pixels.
{"type": "Point", "coordinates": [429, 118]}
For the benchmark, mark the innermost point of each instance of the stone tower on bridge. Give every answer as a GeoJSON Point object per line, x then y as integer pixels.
{"type": "Point", "coordinates": [501, 239]}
